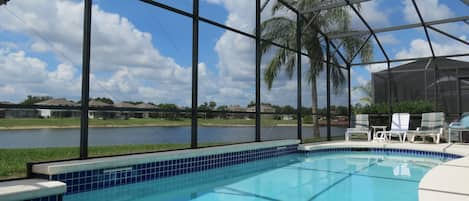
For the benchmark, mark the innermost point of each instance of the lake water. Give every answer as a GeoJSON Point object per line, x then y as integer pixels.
{"type": "Point", "coordinates": [148, 135]}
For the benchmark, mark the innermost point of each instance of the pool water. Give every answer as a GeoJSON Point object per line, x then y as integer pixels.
{"type": "Point", "coordinates": [361, 176]}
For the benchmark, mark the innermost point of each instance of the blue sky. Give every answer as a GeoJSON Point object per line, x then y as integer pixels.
{"type": "Point", "coordinates": [141, 52]}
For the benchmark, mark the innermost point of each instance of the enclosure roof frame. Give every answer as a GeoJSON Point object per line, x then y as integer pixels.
{"type": "Point", "coordinates": [425, 24]}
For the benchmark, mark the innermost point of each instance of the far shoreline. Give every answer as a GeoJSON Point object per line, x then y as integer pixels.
{"type": "Point", "coordinates": [146, 125]}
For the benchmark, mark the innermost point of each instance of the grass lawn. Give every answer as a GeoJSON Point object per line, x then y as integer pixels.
{"type": "Point", "coordinates": [13, 161]}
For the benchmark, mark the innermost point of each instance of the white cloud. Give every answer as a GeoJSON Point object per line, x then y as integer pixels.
{"type": "Point", "coordinates": [60, 22]}
{"type": "Point", "coordinates": [357, 94]}
{"type": "Point", "coordinates": [430, 10]}
{"type": "Point", "coordinates": [235, 80]}
{"type": "Point", "coordinates": [236, 52]}
{"type": "Point", "coordinates": [236, 55]}
{"type": "Point", "coordinates": [17, 67]}
{"type": "Point", "coordinates": [420, 48]}
{"type": "Point", "coordinates": [23, 75]}
{"type": "Point", "coordinates": [372, 68]}
{"type": "Point", "coordinates": [375, 15]}
{"type": "Point", "coordinates": [237, 61]}
{"type": "Point", "coordinates": [64, 72]}
{"type": "Point", "coordinates": [241, 13]}
{"type": "Point", "coordinates": [442, 45]}
{"type": "Point", "coordinates": [388, 39]}
{"type": "Point", "coordinates": [434, 10]}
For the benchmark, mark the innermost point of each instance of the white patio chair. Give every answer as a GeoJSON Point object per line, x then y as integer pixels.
{"type": "Point", "coordinates": [399, 128]}
{"type": "Point", "coordinates": [432, 125]}
{"type": "Point", "coordinates": [362, 126]}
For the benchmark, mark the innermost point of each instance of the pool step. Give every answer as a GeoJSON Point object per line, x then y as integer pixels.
{"type": "Point", "coordinates": [32, 189]}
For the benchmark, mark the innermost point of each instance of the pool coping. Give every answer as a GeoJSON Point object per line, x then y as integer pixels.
{"type": "Point", "coordinates": [443, 182]}
{"type": "Point", "coordinates": [122, 161]}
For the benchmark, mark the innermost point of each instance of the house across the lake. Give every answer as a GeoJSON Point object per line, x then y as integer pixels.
{"type": "Point", "coordinates": [146, 114]}
{"type": "Point", "coordinates": [236, 109]}
{"type": "Point", "coordinates": [125, 114]}
{"type": "Point", "coordinates": [100, 114]}
{"type": "Point", "coordinates": [58, 113]}
{"type": "Point", "coordinates": [264, 108]}
{"type": "Point", "coordinates": [9, 113]}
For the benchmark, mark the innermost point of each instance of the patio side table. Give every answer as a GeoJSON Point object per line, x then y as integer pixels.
{"type": "Point", "coordinates": [378, 128]}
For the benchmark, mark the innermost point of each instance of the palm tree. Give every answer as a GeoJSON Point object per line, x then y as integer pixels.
{"type": "Point", "coordinates": [367, 91]}
{"type": "Point", "coordinates": [281, 28]}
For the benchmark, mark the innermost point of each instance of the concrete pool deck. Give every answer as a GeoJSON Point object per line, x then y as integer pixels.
{"type": "Point", "coordinates": [447, 181]}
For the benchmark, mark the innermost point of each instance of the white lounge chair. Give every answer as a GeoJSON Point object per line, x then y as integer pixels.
{"type": "Point", "coordinates": [361, 127]}
{"type": "Point", "coordinates": [399, 128]}
{"type": "Point", "coordinates": [432, 125]}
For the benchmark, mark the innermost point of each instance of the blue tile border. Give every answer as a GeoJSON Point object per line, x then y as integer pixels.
{"type": "Point", "coordinates": [105, 178]}
{"type": "Point", "coordinates": [390, 151]}
{"type": "Point", "coordinates": [408, 152]}
{"type": "Point", "coordinates": [48, 198]}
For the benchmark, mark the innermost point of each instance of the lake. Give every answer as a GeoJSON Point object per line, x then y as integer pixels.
{"type": "Point", "coordinates": [70, 137]}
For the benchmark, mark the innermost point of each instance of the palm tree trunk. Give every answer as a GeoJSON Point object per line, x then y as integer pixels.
{"type": "Point", "coordinates": [314, 108]}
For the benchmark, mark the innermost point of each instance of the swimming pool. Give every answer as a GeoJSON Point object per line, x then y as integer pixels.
{"type": "Point", "coordinates": [299, 176]}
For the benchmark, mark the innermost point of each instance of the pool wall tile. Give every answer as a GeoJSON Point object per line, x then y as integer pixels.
{"type": "Point", "coordinates": [48, 198]}
{"type": "Point", "coordinates": [89, 180]}
{"type": "Point", "coordinates": [389, 151]}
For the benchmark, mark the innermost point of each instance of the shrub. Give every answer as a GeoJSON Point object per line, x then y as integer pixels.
{"type": "Point", "coordinates": [413, 107]}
